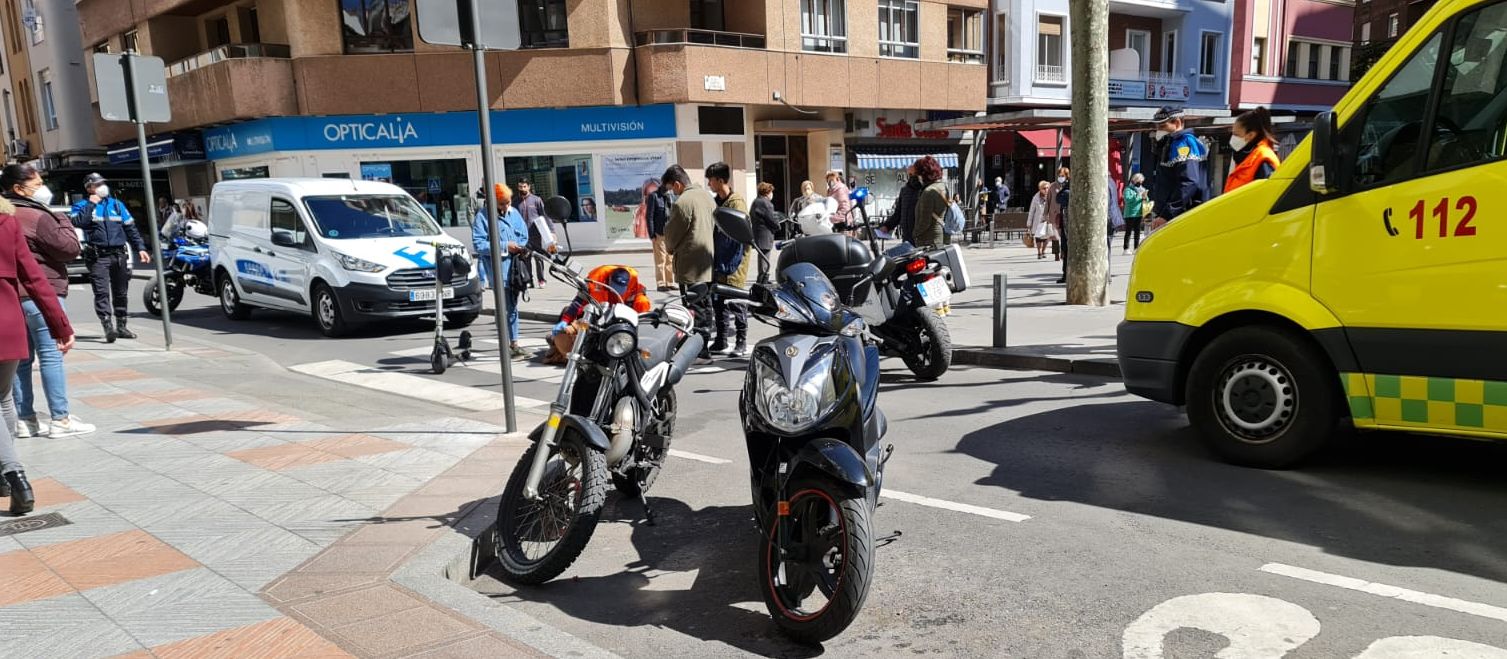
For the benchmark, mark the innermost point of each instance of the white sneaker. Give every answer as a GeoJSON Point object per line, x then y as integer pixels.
{"type": "Point", "coordinates": [31, 428]}
{"type": "Point", "coordinates": [70, 426]}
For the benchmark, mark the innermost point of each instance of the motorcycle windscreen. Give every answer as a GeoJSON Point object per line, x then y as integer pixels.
{"type": "Point", "coordinates": [809, 294]}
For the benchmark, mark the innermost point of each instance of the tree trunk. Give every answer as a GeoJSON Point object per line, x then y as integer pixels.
{"type": "Point", "coordinates": [1088, 212]}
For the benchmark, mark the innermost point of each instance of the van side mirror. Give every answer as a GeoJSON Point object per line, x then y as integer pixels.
{"type": "Point", "coordinates": [283, 238]}
{"type": "Point", "coordinates": [1323, 171]}
{"type": "Point", "coordinates": [557, 208]}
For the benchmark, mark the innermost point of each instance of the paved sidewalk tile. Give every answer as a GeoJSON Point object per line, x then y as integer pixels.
{"type": "Point", "coordinates": [278, 638]}
{"type": "Point", "coordinates": [61, 627]}
{"type": "Point", "coordinates": [112, 559]}
{"type": "Point", "coordinates": [179, 606]}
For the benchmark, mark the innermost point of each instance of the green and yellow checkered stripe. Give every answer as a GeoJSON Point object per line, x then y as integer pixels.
{"type": "Point", "coordinates": [1426, 402]}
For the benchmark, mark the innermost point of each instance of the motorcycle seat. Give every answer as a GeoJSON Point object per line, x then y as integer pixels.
{"type": "Point", "coordinates": [843, 259]}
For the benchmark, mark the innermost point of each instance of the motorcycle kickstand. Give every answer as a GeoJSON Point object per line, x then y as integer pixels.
{"type": "Point", "coordinates": [644, 499]}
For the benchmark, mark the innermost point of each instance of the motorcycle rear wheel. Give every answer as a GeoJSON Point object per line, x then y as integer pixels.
{"type": "Point", "coordinates": [150, 298]}
{"type": "Point", "coordinates": [835, 534]}
{"type": "Point", "coordinates": [933, 354]}
{"type": "Point", "coordinates": [537, 540]}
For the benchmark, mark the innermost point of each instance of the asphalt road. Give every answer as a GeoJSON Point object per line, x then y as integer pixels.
{"type": "Point", "coordinates": [1137, 542]}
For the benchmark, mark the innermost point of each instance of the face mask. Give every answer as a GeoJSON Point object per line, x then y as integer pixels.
{"type": "Point", "coordinates": [102, 190]}
{"type": "Point", "coordinates": [42, 196]}
{"type": "Point", "coordinates": [1237, 142]}
{"type": "Point", "coordinates": [1062, 179]}
{"type": "Point", "coordinates": [1159, 134]}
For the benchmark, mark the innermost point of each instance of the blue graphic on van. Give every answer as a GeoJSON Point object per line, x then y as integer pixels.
{"type": "Point", "coordinates": [419, 258]}
{"type": "Point", "coordinates": [256, 270]}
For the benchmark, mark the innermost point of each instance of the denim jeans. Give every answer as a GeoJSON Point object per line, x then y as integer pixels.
{"type": "Point", "coordinates": [44, 350]}
{"type": "Point", "coordinates": [513, 313]}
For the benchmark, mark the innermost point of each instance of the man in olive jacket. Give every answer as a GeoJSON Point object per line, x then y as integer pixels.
{"type": "Point", "coordinates": [688, 238]}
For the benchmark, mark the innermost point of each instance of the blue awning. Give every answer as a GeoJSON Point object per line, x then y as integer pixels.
{"type": "Point", "coordinates": [895, 161]}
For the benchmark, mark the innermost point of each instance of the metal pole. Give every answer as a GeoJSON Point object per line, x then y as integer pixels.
{"type": "Point", "coordinates": [484, 114]}
{"type": "Point", "coordinates": [1001, 304]}
{"type": "Point", "coordinates": [151, 199]}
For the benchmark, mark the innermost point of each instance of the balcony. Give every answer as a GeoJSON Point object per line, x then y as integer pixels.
{"type": "Point", "coordinates": [224, 90]}
{"type": "Point", "coordinates": [698, 37]}
{"type": "Point", "coordinates": [1049, 74]}
{"type": "Point", "coordinates": [228, 52]}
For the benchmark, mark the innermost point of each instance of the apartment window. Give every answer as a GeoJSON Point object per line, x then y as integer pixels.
{"type": "Point", "coordinates": [1000, 41]}
{"type": "Point", "coordinates": [49, 108]}
{"type": "Point", "coordinates": [1392, 24]}
{"type": "Point", "coordinates": [708, 15]}
{"type": "Point", "coordinates": [128, 41]}
{"type": "Point", "coordinates": [543, 23]}
{"type": "Point", "coordinates": [368, 26]}
{"type": "Point", "coordinates": [28, 107]}
{"type": "Point", "coordinates": [1140, 42]}
{"type": "Point", "coordinates": [899, 23]}
{"type": "Point", "coordinates": [251, 28]}
{"type": "Point", "coordinates": [1050, 45]}
{"type": "Point", "coordinates": [1318, 61]}
{"type": "Point", "coordinates": [102, 47]}
{"type": "Point", "coordinates": [1208, 61]}
{"type": "Point", "coordinates": [1169, 52]}
{"type": "Point", "coordinates": [965, 36]}
{"type": "Point", "coordinates": [1365, 33]}
{"type": "Point", "coordinates": [33, 20]}
{"type": "Point", "coordinates": [1258, 56]}
{"type": "Point", "coordinates": [824, 26]}
{"type": "Point", "coordinates": [217, 31]}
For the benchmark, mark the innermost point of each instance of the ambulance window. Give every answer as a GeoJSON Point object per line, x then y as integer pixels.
{"type": "Point", "coordinates": [1386, 137]}
{"type": "Point", "coordinates": [1471, 122]}
{"type": "Point", "coordinates": [285, 220]}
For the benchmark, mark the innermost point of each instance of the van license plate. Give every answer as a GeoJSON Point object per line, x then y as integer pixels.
{"type": "Point", "coordinates": [427, 294]}
{"type": "Point", "coordinates": [934, 292]}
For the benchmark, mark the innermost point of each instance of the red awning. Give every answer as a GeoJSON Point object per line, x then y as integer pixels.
{"type": "Point", "coordinates": [1045, 142]}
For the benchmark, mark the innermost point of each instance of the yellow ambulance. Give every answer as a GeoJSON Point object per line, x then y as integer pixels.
{"type": "Point", "coordinates": [1366, 279]}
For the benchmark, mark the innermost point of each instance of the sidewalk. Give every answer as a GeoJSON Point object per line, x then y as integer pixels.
{"type": "Point", "coordinates": [1043, 332]}
{"type": "Point", "coordinates": [227, 507]}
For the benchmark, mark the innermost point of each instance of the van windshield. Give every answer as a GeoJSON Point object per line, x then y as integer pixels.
{"type": "Point", "coordinates": [369, 216]}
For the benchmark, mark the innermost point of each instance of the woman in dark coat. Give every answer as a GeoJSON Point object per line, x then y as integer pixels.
{"type": "Point", "coordinates": [19, 271]}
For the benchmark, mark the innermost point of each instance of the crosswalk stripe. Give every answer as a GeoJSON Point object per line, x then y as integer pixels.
{"type": "Point", "coordinates": [953, 506]}
{"type": "Point", "coordinates": [413, 386]}
{"type": "Point", "coordinates": [698, 457]}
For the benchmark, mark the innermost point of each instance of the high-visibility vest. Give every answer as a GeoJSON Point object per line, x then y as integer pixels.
{"type": "Point", "coordinates": [1245, 172]}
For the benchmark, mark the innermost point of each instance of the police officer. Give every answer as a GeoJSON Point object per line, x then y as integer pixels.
{"type": "Point", "coordinates": [109, 236]}
{"type": "Point", "coordinates": [1179, 184]}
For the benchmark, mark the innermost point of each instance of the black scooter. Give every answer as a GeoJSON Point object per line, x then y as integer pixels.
{"type": "Point", "coordinates": [813, 427]}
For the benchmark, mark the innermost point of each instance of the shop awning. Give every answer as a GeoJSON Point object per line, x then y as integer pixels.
{"type": "Point", "coordinates": [895, 161]}
{"type": "Point", "coordinates": [1045, 142]}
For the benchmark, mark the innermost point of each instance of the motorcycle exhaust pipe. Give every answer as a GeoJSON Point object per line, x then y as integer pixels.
{"type": "Point", "coordinates": [624, 422]}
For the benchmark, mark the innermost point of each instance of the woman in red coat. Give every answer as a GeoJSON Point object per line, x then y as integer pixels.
{"type": "Point", "coordinates": [18, 271]}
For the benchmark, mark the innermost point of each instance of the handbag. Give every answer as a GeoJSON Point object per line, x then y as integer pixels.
{"type": "Point", "coordinates": [519, 277]}
{"type": "Point", "coordinates": [1029, 240]}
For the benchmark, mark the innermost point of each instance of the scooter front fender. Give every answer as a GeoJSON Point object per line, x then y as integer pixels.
{"type": "Point", "coordinates": [594, 436]}
{"type": "Point", "coordinates": [836, 460]}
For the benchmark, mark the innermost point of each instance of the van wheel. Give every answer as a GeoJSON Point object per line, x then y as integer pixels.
{"type": "Point", "coordinates": [230, 301]}
{"type": "Point", "coordinates": [1263, 397]}
{"type": "Point", "coordinates": [327, 312]}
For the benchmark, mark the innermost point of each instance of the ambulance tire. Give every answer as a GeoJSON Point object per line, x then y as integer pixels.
{"type": "Point", "coordinates": [1263, 397]}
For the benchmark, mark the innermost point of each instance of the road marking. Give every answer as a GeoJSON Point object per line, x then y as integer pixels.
{"type": "Point", "coordinates": [1255, 625]}
{"type": "Point", "coordinates": [413, 386]}
{"type": "Point", "coordinates": [1383, 590]}
{"type": "Point", "coordinates": [953, 506]}
{"type": "Point", "coordinates": [698, 457]}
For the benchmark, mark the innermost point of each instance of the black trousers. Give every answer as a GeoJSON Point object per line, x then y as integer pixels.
{"type": "Point", "coordinates": [732, 321]}
{"type": "Point", "coordinates": [764, 266]}
{"type": "Point", "coordinates": [1133, 225]}
{"type": "Point", "coordinates": [110, 276]}
{"type": "Point", "coordinates": [704, 313]}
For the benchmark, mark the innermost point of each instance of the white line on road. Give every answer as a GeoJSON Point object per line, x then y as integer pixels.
{"type": "Point", "coordinates": [412, 386]}
{"type": "Point", "coordinates": [953, 506]}
{"type": "Point", "coordinates": [698, 457]}
{"type": "Point", "coordinates": [1383, 590]}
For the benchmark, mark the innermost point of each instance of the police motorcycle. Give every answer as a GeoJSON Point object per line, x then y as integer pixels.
{"type": "Point", "coordinates": [813, 428]}
{"type": "Point", "coordinates": [185, 264]}
{"type": "Point", "coordinates": [612, 419]}
{"type": "Point", "coordinates": [902, 292]}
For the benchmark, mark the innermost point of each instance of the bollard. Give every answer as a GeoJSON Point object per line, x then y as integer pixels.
{"type": "Point", "coordinates": [1001, 302]}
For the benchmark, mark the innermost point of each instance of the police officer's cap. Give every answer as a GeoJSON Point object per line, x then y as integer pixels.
{"type": "Point", "coordinates": [93, 179]}
{"type": "Point", "coordinates": [1167, 113]}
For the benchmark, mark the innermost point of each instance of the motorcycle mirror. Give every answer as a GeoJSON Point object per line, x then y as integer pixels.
{"type": "Point", "coordinates": [735, 224]}
{"type": "Point", "coordinates": [558, 208]}
{"type": "Point", "coordinates": [855, 327]}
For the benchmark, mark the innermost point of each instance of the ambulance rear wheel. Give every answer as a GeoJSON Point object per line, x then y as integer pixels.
{"type": "Point", "coordinates": [1263, 397]}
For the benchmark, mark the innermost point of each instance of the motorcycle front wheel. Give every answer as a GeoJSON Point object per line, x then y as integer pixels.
{"type": "Point", "coordinates": [537, 540]}
{"type": "Point", "coordinates": [932, 353]}
{"type": "Point", "coordinates": [152, 300]}
{"type": "Point", "coordinates": [815, 587]}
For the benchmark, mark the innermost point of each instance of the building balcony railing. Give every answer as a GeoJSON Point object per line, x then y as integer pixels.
{"type": "Point", "coordinates": [959, 56]}
{"type": "Point", "coordinates": [699, 37]}
{"type": "Point", "coordinates": [227, 52]}
{"type": "Point", "coordinates": [1051, 74]}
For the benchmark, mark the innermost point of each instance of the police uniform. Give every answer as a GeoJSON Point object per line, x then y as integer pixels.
{"type": "Point", "coordinates": [1179, 184]}
{"type": "Point", "coordinates": [110, 240]}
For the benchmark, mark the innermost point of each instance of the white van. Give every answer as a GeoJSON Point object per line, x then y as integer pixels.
{"type": "Point", "coordinates": [341, 250]}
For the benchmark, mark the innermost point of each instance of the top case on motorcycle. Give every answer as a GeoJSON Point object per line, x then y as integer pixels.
{"type": "Point", "coordinates": [843, 259]}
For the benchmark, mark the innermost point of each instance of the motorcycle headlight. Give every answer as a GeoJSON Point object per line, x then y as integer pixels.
{"type": "Point", "coordinates": [359, 265]}
{"type": "Point", "coordinates": [794, 409]}
{"type": "Point", "coordinates": [620, 343]}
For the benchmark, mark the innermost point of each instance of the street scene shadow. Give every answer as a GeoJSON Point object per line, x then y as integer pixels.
{"type": "Point", "coordinates": [695, 572]}
{"type": "Point", "coordinates": [1358, 499]}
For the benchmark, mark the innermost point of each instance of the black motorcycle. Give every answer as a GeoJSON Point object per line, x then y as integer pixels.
{"type": "Point", "coordinates": [813, 427]}
{"type": "Point", "coordinates": [613, 418]}
{"type": "Point", "coordinates": [901, 293]}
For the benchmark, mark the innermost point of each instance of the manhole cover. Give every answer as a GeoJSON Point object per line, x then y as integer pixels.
{"type": "Point", "coordinates": [24, 524]}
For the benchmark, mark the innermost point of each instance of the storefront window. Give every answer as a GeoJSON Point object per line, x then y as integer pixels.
{"type": "Point", "coordinates": [440, 186]}
{"type": "Point", "coordinates": [567, 176]}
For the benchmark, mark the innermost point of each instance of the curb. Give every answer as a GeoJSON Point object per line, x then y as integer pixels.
{"type": "Point", "coordinates": [1017, 359]}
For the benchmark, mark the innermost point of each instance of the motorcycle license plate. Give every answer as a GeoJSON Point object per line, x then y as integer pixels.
{"type": "Point", "coordinates": [427, 294]}
{"type": "Point", "coordinates": [934, 292]}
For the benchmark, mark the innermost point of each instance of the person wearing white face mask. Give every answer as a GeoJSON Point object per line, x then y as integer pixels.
{"type": "Point", "coordinates": [109, 231]}
{"type": "Point", "coordinates": [53, 244]}
{"type": "Point", "coordinates": [1252, 138]}
{"type": "Point", "coordinates": [1179, 183]}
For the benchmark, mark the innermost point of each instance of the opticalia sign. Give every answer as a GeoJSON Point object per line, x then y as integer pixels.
{"type": "Point", "coordinates": [439, 129]}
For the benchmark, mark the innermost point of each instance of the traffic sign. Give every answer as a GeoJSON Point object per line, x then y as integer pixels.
{"type": "Point", "coordinates": [449, 23]}
{"type": "Point", "coordinates": [114, 76]}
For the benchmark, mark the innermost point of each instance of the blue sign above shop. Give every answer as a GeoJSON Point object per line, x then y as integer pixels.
{"type": "Point", "coordinates": [177, 147]}
{"type": "Point", "coordinates": [388, 131]}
